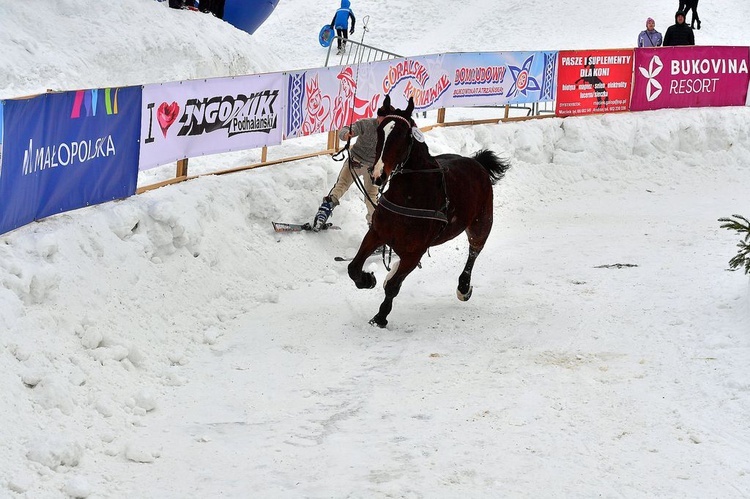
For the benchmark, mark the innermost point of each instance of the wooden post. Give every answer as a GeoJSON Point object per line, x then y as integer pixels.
{"type": "Point", "coordinates": [333, 140]}
{"type": "Point", "coordinates": [182, 168]}
{"type": "Point", "coordinates": [441, 115]}
{"type": "Point", "coordinates": [507, 111]}
{"type": "Point", "coordinates": [264, 154]}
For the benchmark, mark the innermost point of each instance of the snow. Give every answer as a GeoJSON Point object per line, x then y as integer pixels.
{"type": "Point", "coordinates": [172, 345]}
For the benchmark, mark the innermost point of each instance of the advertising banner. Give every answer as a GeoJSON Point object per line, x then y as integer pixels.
{"type": "Point", "coordinates": [696, 76]}
{"type": "Point", "coordinates": [467, 79]}
{"type": "Point", "coordinates": [1, 138]}
{"type": "Point", "coordinates": [500, 78]}
{"type": "Point", "coordinates": [325, 99]}
{"type": "Point", "coordinates": [188, 119]}
{"type": "Point", "coordinates": [593, 81]}
{"type": "Point", "coordinates": [422, 78]}
{"type": "Point", "coordinates": [68, 150]}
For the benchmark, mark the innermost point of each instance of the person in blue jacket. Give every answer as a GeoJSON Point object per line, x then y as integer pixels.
{"type": "Point", "coordinates": [340, 23]}
{"type": "Point", "coordinates": [650, 37]}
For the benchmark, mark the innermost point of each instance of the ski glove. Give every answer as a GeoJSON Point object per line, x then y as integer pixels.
{"type": "Point", "coordinates": [351, 31]}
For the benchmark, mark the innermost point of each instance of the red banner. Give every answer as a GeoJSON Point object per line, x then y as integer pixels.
{"type": "Point", "coordinates": [593, 81]}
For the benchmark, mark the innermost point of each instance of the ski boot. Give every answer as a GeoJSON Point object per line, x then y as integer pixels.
{"type": "Point", "coordinates": [325, 210]}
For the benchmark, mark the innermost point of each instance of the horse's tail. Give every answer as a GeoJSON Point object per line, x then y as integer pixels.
{"type": "Point", "coordinates": [495, 166]}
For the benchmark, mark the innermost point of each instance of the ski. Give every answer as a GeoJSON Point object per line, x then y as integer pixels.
{"type": "Point", "coordinates": [284, 227]}
{"type": "Point", "coordinates": [377, 252]}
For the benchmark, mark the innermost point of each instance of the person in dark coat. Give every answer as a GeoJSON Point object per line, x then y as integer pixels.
{"type": "Point", "coordinates": [679, 33]}
{"type": "Point", "coordinates": [215, 7]}
{"type": "Point", "coordinates": [688, 5]}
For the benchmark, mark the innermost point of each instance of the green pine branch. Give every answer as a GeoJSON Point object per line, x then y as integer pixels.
{"type": "Point", "coordinates": [742, 226]}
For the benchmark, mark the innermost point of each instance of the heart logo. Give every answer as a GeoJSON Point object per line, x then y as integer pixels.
{"type": "Point", "coordinates": [166, 115]}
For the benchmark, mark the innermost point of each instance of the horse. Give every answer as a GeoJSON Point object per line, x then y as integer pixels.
{"type": "Point", "coordinates": [425, 201]}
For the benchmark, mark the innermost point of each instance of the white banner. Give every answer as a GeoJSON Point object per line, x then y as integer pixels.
{"type": "Point", "coordinates": [195, 118]}
{"type": "Point", "coordinates": [325, 99]}
{"type": "Point", "coordinates": [422, 78]}
{"type": "Point", "coordinates": [500, 78]}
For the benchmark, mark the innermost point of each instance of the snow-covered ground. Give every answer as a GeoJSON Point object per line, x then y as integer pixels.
{"type": "Point", "coordinates": [172, 345]}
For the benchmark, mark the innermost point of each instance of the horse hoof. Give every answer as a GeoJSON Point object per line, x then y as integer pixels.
{"type": "Point", "coordinates": [368, 281]}
{"type": "Point", "coordinates": [464, 297]}
{"type": "Point", "coordinates": [381, 323]}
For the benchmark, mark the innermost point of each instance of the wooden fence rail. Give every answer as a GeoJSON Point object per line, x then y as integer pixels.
{"type": "Point", "coordinates": [332, 147]}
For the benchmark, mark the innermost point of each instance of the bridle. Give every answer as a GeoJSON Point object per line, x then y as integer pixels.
{"type": "Point", "coordinates": [399, 168]}
{"type": "Point", "coordinates": [440, 214]}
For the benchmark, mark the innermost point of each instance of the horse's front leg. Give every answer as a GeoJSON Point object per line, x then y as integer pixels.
{"type": "Point", "coordinates": [464, 280]}
{"type": "Point", "coordinates": [398, 273]}
{"type": "Point", "coordinates": [364, 280]}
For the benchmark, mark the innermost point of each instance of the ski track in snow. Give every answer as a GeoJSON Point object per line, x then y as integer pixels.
{"type": "Point", "coordinates": [172, 345]}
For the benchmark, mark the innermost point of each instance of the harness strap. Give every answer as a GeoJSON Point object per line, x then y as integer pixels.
{"type": "Point", "coordinates": [439, 215]}
{"type": "Point", "coordinates": [412, 212]}
{"type": "Point", "coordinates": [408, 170]}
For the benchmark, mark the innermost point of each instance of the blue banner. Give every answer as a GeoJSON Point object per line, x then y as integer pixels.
{"type": "Point", "coordinates": [1, 139]}
{"type": "Point", "coordinates": [69, 150]}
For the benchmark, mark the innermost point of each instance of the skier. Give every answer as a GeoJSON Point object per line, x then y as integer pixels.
{"type": "Point", "coordinates": [340, 23]}
{"type": "Point", "coordinates": [361, 160]}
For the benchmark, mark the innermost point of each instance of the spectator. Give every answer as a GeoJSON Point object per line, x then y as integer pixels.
{"type": "Point", "coordinates": [679, 33]}
{"type": "Point", "coordinates": [340, 23]}
{"type": "Point", "coordinates": [688, 5]}
{"type": "Point", "coordinates": [650, 37]}
{"type": "Point", "coordinates": [360, 162]}
{"type": "Point", "coordinates": [215, 7]}
{"type": "Point", "coordinates": [183, 4]}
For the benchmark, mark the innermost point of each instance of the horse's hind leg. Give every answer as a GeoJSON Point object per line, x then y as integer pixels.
{"type": "Point", "coordinates": [464, 280]}
{"type": "Point", "coordinates": [392, 286]}
{"type": "Point", "coordinates": [478, 233]}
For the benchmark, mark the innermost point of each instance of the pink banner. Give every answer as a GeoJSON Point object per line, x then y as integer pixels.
{"type": "Point", "coordinates": [675, 77]}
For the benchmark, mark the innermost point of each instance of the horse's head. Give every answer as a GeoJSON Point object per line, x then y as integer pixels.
{"type": "Point", "coordinates": [394, 140]}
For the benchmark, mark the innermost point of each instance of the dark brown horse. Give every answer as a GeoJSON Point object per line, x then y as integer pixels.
{"type": "Point", "coordinates": [425, 201]}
